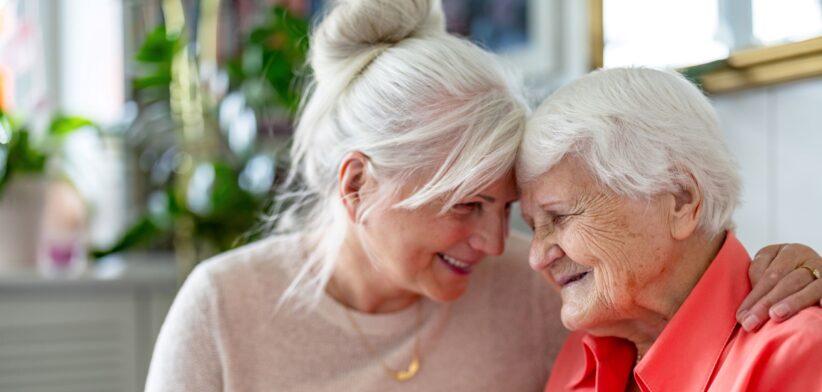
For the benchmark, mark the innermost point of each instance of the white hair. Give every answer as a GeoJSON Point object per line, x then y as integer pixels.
{"type": "Point", "coordinates": [641, 132]}
{"type": "Point", "coordinates": [390, 83]}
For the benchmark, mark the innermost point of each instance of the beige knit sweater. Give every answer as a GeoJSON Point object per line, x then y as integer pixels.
{"type": "Point", "coordinates": [223, 334]}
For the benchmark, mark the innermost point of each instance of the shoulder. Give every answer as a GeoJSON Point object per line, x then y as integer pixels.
{"type": "Point", "coordinates": [779, 345]}
{"type": "Point", "coordinates": [251, 265]}
{"type": "Point", "coordinates": [803, 329]}
{"type": "Point", "coordinates": [236, 283]}
{"type": "Point", "coordinates": [782, 355]}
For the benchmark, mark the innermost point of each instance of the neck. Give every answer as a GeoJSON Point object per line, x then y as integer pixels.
{"type": "Point", "coordinates": [358, 284]}
{"type": "Point", "coordinates": [659, 301]}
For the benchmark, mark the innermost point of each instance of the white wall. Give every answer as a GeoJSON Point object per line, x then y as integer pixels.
{"type": "Point", "coordinates": [776, 135]}
{"type": "Point", "coordinates": [91, 59]}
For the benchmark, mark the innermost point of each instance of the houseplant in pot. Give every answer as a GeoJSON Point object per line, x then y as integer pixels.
{"type": "Point", "coordinates": [24, 164]}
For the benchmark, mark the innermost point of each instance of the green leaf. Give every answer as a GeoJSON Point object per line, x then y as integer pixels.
{"type": "Point", "coordinates": [281, 42]}
{"type": "Point", "coordinates": [26, 158]}
{"type": "Point", "coordinates": [6, 129]}
{"type": "Point", "coordinates": [6, 140]}
{"type": "Point", "coordinates": [144, 232]}
{"type": "Point", "coordinates": [64, 125]}
{"type": "Point", "coordinates": [156, 54]}
{"type": "Point", "coordinates": [4, 169]}
{"type": "Point", "coordinates": [159, 79]}
{"type": "Point", "coordinates": [16, 155]}
{"type": "Point", "coordinates": [158, 47]}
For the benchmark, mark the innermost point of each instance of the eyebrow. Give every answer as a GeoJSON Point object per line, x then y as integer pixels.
{"type": "Point", "coordinates": [553, 201]}
{"type": "Point", "coordinates": [487, 198]}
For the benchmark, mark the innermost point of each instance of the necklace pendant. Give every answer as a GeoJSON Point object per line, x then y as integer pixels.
{"type": "Point", "coordinates": [407, 374]}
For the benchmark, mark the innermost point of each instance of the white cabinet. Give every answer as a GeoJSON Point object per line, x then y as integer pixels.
{"type": "Point", "coordinates": [90, 334]}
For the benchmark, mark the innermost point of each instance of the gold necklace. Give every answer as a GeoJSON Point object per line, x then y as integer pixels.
{"type": "Point", "coordinates": [413, 367]}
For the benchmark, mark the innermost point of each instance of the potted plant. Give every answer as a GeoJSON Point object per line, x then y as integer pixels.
{"type": "Point", "coordinates": [23, 168]}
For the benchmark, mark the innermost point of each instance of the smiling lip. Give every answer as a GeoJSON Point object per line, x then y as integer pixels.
{"type": "Point", "coordinates": [458, 266]}
{"type": "Point", "coordinates": [565, 280]}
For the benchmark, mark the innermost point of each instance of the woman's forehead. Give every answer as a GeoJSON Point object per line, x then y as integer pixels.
{"type": "Point", "coordinates": [502, 189]}
{"type": "Point", "coordinates": [569, 175]}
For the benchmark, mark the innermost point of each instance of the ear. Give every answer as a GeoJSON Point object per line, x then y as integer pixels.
{"type": "Point", "coordinates": [352, 179]}
{"type": "Point", "coordinates": [686, 208]}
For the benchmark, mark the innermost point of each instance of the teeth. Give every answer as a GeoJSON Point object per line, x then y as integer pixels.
{"type": "Point", "coordinates": [455, 262]}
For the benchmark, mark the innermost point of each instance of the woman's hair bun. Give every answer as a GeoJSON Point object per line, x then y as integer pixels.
{"type": "Point", "coordinates": [353, 28]}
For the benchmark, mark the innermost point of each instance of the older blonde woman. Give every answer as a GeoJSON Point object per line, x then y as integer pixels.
{"type": "Point", "coordinates": [630, 189]}
{"type": "Point", "coordinates": [376, 278]}
{"type": "Point", "coordinates": [403, 155]}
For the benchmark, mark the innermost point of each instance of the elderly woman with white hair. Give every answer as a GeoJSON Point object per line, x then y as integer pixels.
{"type": "Point", "coordinates": [629, 187]}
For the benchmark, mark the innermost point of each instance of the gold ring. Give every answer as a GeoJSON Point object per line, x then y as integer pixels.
{"type": "Point", "coordinates": [814, 272]}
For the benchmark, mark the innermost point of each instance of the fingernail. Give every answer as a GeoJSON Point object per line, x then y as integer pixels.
{"type": "Point", "coordinates": [780, 311]}
{"type": "Point", "coordinates": [741, 313]}
{"type": "Point", "coordinates": [750, 322]}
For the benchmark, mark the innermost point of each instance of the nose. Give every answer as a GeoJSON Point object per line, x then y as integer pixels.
{"type": "Point", "coordinates": [543, 254]}
{"type": "Point", "coordinates": [490, 234]}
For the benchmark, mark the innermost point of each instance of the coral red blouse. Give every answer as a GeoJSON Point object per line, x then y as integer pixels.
{"type": "Point", "coordinates": [703, 348]}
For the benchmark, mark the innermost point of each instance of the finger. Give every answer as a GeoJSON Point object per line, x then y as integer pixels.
{"type": "Point", "coordinates": [792, 283]}
{"type": "Point", "coordinates": [776, 266]}
{"type": "Point", "coordinates": [767, 280]}
{"type": "Point", "coordinates": [761, 262]}
{"type": "Point", "coordinates": [806, 297]}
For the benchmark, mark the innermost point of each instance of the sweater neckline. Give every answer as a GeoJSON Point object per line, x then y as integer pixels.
{"type": "Point", "coordinates": [385, 324]}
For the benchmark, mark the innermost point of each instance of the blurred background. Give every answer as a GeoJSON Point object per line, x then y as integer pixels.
{"type": "Point", "coordinates": [138, 137]}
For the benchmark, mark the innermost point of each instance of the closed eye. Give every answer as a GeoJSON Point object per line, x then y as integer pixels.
{"type": "Point", "coordinates": [467, 208]}
{"type": "Point", "coordinates": [559, 219]}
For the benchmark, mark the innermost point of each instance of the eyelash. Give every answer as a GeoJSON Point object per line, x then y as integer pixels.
{"type": "Point", "coordinates": [559, 219]}
{"type": "Point", "coordinates": [467, 207]}
{"type": "Point", "coordinates": [474, 206]}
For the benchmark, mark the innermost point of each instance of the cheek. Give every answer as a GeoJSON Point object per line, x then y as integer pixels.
{"type": "Point", "coordinates": [613, 287]}
{"type": "Point", "coordinates": [604, 243]}
{"type": "Point", "coordinates": [614, 279]}
{"type": "Point", "coordinates": [393, 239]}
{"type": "Point", "coordinates": [447, 232]}
{"type": "Point", "coordinates": [418, 242]}
{"type": "Point", "coordinates": [593, 304]}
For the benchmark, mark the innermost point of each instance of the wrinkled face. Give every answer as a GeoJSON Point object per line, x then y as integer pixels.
{"type": "Point", "coordinates": [600, 250]}
{"type": "Point", "coordinates": [427, 253]}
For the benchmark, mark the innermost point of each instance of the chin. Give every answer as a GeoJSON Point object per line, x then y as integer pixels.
{"type": "Point", "coordinates": [445, 295]}
{"type": "Point", "coordinates": [575, 318]}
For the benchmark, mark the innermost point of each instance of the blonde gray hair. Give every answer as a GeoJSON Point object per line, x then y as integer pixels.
{"type": "Point", "coordinates": [390, 83]}
{"type": "Point", "coordinates": [641, 132]}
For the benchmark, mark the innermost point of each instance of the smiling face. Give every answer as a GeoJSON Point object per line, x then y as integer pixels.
{"type": "Point", "coordinates": [602, 251]}
{"type": "Point", "coordinates": [423, 252]}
